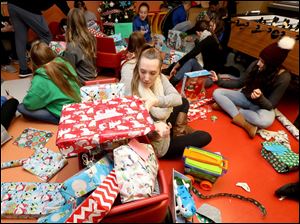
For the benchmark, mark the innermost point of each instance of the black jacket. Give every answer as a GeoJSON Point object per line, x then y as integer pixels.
{"type": "Point", "coordinates": [37, 6]}
{"type": "Point", "coordinates": [211, 53]}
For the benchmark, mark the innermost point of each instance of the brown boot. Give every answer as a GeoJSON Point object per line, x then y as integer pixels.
{"type": "Point", "coordinates": [216, 106]}
{"type": "Point", "coordinates": [181, 127]}
{"type": "Point", "coordinates": [240, 121]}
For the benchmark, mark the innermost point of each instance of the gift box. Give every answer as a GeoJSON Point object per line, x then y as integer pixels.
{"type": "Point", "coordinates": [280, 157]}
{"type": "Point", "coordinates": [58, 46]}
{"type": "Point", "coordinates": [29, 200]}
{"type": "Point", "coordinates": [86, 180]}
{"type": "Point", "coordinates": [176, 40]}
{"type": "Point", "coordinates": [101, 91]}
{"type": "Point", "coordinates": [136, 168]}
{"type": "Point", "coordinates": [45, 163]}
{"type": "Point", "coordinates": [151, 210]}
{"type": "Point", "coordinates": [83, 126]}
{"type": "Point", "coordinates": [193, 85]}
{"type": "Point", "coordinates": [173, 56]}
{"type": "Point", "coordinates": [98, 204]}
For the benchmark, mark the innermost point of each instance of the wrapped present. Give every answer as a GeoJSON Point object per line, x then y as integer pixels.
{"type": "Point", "coordinates": [280, 157]}
{"type": "Point", "coordinates": [173, 56]}
{"type": "Point", "coordinates": [33, 138]}
{"type": "Point", "coordinates": [93, 26]}
{"type": "Point", "coordinates": [60, 214]}
{"type": "Point", "coordinates": [96, 33]}
{"type": "Point", "coordinates": [86, 180]}
{"type": "Point", "coordinates": [101, 91]}
{"type": "Point", "coordinates": [176, 40]}
{"type": "Point", "coordinates": [58, 46]}
{"type": "Point", "coordinates": [159, 43]}
{"type": "Point", "coordinates": [136, 169]}
{"type": "Point", "coordinates": [83, 126]}
{"type": "Point", "coordinates": [193, 85]}
{"type": "Point", "coordinates": [29, 200]}
{"type": "Point", "coordinates": [98, 204]}
{"type": "Point", "coordinates": [45, 163]}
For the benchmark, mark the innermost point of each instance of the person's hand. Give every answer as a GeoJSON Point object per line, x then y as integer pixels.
{"type": "Point", "coordinates": [7, 27]}
{"type": "Point", "coordinates": [174, 70]}
{"type": "Point", "coordinates": [189, 39]}
{"type": "Point", "coordinates": [256, 94]}
{"type": "Point", "coordinates": [150, 103]}
{"type": "Point", "coordinates": [162, 128]}
{"type": "Point", "coordinates": [213, 76]}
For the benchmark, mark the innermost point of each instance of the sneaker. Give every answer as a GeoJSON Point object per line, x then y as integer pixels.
{"type": "Point", "coordinates": [25, 73]}
{"type": "Point", "coordinates": [8, 68]}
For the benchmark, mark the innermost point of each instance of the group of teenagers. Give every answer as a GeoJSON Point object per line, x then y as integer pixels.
{"type": "Point", "coordinates": [57, 80]}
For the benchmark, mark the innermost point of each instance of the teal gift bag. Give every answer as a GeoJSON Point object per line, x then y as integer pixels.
{"type": "Point", "coordinates": [125, 29]}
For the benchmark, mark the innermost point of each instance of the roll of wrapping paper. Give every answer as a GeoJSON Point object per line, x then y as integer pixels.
{"type": "Point", "coordinates": [286, 123]}
{"type": "Point", "coordinates": [12, 163]}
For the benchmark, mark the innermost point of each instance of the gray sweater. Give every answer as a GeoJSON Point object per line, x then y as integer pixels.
{"type": "Point", "coordinates": [85, 68]}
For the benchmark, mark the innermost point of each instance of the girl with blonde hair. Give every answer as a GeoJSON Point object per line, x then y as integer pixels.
{"type": "Point", "coordinates": [167, 108]}
{"type": "Point", "coordinates": [81, 46]}
{"type": "Point", "coordinates": [54, 84]}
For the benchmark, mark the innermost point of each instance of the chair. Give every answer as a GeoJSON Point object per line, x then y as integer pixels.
{"type": "Point", "coordinates": [157, 22]}
{"type": "Point", "coordinates": [56, 33]}
{"type": "Point", "coordinates": [151, 16]}
{"type": "Point", "coordinates": [107, 57]}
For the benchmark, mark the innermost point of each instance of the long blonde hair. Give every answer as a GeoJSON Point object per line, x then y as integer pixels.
{"type": "Point", "coordinates": [42, 56]}
{"type": "Point", "coordinates": [148, 52]}
{"type": "Point", "coordinates": [78, 34]}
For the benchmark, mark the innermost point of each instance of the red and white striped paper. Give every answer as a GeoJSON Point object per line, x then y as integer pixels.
{"type": "Point", "coordinates": [98, 204]}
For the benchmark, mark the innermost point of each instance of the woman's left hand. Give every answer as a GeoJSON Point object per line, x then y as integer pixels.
{"type": "Point", "coordinates": [150, 103]}
{"type": "Point", "coordinates": [256, 94]}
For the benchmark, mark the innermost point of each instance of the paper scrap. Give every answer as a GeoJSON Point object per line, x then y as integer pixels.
{"type": "Point", "coordinates": [243, 185]}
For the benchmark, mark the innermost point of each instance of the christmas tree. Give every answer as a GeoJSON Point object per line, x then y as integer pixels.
{"type": "Point", "coordinates": [112, 12]}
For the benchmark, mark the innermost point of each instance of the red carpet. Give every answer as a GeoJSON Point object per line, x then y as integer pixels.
{"type": "Point", "coordinates": [246, 165]}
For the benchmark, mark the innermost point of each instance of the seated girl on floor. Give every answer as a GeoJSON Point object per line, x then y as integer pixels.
{"type": "Point", "coordinates": [81, 46]}
{"type": "Point", "coordinates": [53, 85]}
{"type": "Point", "coordinates": [166, 106]}
{"type": "Point", "coordinates": [135, 43]}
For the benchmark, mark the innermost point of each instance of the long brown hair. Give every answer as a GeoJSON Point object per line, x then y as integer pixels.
{"type": "Point", "coordinates": [148, 52]}
{"type": "Point", "coordinates": [135, 42]}
{"type": "Point", "coordinates": [42, 56]}
{"type": "Point", "coordinates": [78, 34]}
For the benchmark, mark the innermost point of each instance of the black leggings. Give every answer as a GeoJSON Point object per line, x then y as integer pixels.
{"type": "Point", "coordinates": [198, 138]}
{"type": "Point", "coordinates": [8, 111]}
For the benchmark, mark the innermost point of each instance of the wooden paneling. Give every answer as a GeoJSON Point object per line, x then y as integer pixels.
{"type": "Point", "coordinates": [243, 40]}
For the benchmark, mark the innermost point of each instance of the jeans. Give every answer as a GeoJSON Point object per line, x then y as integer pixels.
{"type": "Point", "coordinates": [22, 20]}
{"type": "Point", "coordinates": [190, 66]}
{"type": "Point", "coordinates": [41, 114]}
{"type": "Point", "coordinates": [229, 100]}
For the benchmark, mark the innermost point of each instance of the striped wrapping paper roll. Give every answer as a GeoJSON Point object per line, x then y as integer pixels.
{"type": "Point", "coordinates": [98, 204]}
{"type": "Point", "coordinates": [286, 123]}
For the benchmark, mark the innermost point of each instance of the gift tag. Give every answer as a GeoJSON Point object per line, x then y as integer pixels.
{"type": "Point", "coordinates": [140, 149]}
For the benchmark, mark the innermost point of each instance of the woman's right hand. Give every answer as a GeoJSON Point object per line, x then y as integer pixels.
{"type": "Point", "coordinates": [213, 76]}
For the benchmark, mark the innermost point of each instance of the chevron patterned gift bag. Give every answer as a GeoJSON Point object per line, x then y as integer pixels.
{"type": "Point", "coordinates": [98, 204]}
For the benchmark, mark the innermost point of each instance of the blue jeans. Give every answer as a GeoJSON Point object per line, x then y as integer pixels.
{"type": "Point", "coordinates": [190, 66]}
{"type": "Point", "coordinates": [229, 100]}
{"type": "Point", "coordinates": [41, 115]}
